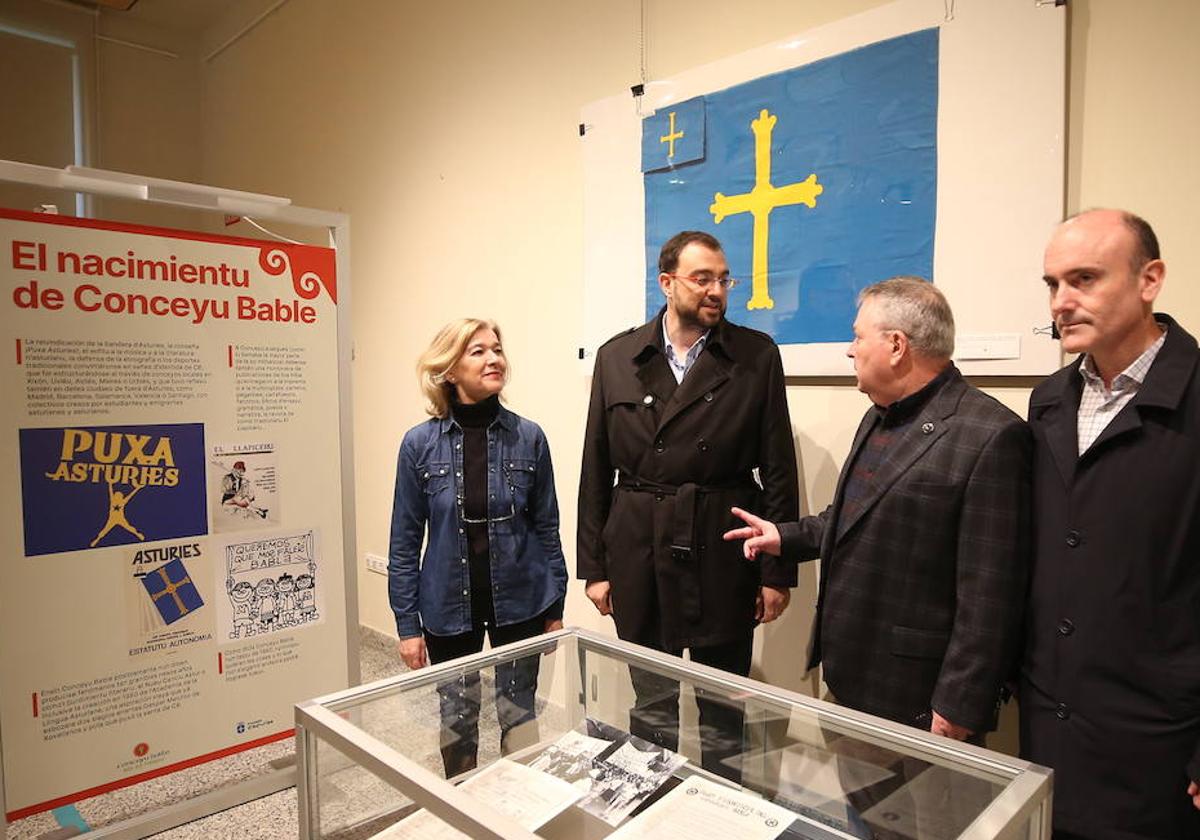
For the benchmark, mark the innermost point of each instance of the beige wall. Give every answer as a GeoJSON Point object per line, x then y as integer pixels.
{"type": "Point", "coordinates": [448, 132]}
{"type": "Point", "coordinates": [148, 114]}
{"type": "Point", "coordinates": [141, 108]}
{"type": "Point", "coordinates": [1134, 83]}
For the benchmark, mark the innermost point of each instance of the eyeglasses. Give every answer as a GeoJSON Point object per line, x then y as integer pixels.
{"type": "Point", "coordinates": [512, 512]}
{"type": "Point", "coordinates": [703, 281]}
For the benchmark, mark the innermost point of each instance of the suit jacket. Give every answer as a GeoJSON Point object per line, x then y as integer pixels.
{"type": "Point", "coordinates": [1110, 680]}
{"type": "Point", "coordinates": [685, 454]}
{"type": "Point", "coordinates": [922, 589]}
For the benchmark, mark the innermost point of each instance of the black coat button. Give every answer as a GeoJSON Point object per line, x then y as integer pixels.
{"type": "Point", "coordinates": [1062, 712]}
{"type": "Point", "coordinates": [659, 446]}
{"type": "Point", "coordinates": [1066, 627]}
{"type": "Point", "coordinates": [1073, 539]}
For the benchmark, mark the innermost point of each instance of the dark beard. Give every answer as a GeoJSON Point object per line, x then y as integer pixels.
{"type": "Point", "coordinates": [692, 320]}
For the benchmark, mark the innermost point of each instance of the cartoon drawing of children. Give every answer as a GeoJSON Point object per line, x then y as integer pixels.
{"type": "Point", "coordinates": [268, 604]}
{"type": "Point", "coordinates": [306, 597]}
{"type": "Point", "coordinates": [241, 595]}
{"type": "Point", "coordinates": [117, 501]}
{"type": "Point", "coordinates": [287, 600]}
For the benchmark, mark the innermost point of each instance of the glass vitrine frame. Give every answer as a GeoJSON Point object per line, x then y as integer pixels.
{"type": "Point", "coordinates": [1021, 810]}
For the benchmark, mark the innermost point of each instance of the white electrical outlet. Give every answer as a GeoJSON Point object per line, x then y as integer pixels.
{"type": "Point", "coordinates": [375, 563]}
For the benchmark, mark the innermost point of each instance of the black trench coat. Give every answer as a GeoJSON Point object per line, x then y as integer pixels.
{"type": "Point", "coordinates": [681, 456]}
{"type": "Point", "coordinates": [1110, 683]}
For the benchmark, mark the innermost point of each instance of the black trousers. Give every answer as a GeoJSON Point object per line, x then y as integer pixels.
{"type": "Point", "coordinates": [655, 716]}
{"type": "Point", "coordinates": [459, 698]}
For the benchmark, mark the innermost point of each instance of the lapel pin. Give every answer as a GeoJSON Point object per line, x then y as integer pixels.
{"type": "Point", "coordinates": [649, 398]}
{"type": "Point", "coordinates": [927, 428]}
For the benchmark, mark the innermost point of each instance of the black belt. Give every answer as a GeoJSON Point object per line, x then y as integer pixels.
{"type": "Point", "coordinates": [683, 524]}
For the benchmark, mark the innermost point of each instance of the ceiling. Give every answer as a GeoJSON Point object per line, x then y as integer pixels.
{"type": "Point", "coordinates": [191, 16]}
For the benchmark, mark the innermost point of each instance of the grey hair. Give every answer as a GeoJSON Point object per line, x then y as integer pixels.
{"type": "Point", "coordinates": [917, 308]}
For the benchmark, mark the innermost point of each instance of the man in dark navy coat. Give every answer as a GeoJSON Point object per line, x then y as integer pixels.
{"type": "Point", "coordinates": [1110, 682]}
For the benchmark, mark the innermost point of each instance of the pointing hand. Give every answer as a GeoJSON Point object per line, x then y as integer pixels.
{"type": "Point", "coordinates": [759, 534]}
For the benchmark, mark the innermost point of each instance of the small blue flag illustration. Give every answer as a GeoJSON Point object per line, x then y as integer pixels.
{"type": "Point", "coordinates": [172, 591]}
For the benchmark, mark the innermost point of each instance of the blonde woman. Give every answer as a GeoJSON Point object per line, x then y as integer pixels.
{"type": "Point", "coordinates": [475, 479]}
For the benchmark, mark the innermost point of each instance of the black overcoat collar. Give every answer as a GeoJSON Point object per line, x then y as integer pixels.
{"type": "Point", "coordinates": [711, 368]}
{"type": "Point", "coordinates": [1055, 407]}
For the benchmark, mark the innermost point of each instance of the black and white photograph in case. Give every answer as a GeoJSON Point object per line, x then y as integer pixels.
{"type": "Point", "coordinates": [570, 758]}
{"type": "Point", "coordinates": [625, 774]}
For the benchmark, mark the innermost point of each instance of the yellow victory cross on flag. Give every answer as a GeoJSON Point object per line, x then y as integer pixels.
{"type": "Point", "coordinates": [671, 136]}
{"type": "Point", "coordinates": [760, 201]}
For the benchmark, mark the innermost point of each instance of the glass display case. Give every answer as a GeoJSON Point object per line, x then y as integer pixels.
{"type": "Point", "coordinates": [547, 738]}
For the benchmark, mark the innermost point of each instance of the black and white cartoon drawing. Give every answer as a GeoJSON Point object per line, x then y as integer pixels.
{"type": "Point", "coordinates": [271, 585]}
{"type": "Point", "coordinates": [241, 595]}
{"type": "Point", "coordinates": [238, 492]}
{"type": "Point", "coordinates": [243, 486]}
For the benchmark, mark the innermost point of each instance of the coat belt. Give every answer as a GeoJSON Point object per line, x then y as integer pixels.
{"type": "Point", "coordinates": [687, 497]}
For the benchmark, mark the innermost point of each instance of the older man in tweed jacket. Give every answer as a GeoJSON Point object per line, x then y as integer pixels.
{"type": "Point", "coordinates": [925, 547]}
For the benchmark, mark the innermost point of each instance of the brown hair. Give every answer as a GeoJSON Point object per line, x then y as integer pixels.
{"type": "Point", "coordinates": [1145, 242]}
{"type": "Point", "coordinates": [668, 257]}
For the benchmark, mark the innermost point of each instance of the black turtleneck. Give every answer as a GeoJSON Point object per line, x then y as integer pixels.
{"type": "Point", "coordinates": [474, 420]}
{"type": "Point", "coordinates": [476, 415]}
{"type": "Point", "coordinates": [904, 410]}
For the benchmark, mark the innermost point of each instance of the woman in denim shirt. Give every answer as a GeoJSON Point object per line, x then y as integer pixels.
{"type": "Point", "coordinates": [477, 480]}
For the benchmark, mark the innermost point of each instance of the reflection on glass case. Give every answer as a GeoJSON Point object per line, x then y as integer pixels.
{"type": "Point", "coordinates": [575, 735]}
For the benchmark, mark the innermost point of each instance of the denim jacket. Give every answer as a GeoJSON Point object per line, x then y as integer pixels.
{"type": "Point", "coordinates": [527, 566]}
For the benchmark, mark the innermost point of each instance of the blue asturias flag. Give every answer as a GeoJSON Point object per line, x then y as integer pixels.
{"type": "Point", "coordinates": [818, 181]}
{"type": "Point", "coordinates": [673, 135]}
{"type": "Point", "coordinates": [172, 591]}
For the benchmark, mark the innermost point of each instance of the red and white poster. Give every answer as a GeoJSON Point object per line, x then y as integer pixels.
{"type": "Point", "coordinates": [172, 578]}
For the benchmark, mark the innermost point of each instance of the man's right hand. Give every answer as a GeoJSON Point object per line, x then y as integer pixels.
{"type": "Point", "coordinates": [599, 592]}
{"type": "Point", "coordinates": [759, 534]}
{"type": "Point", "coordinates": [412, 651]}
